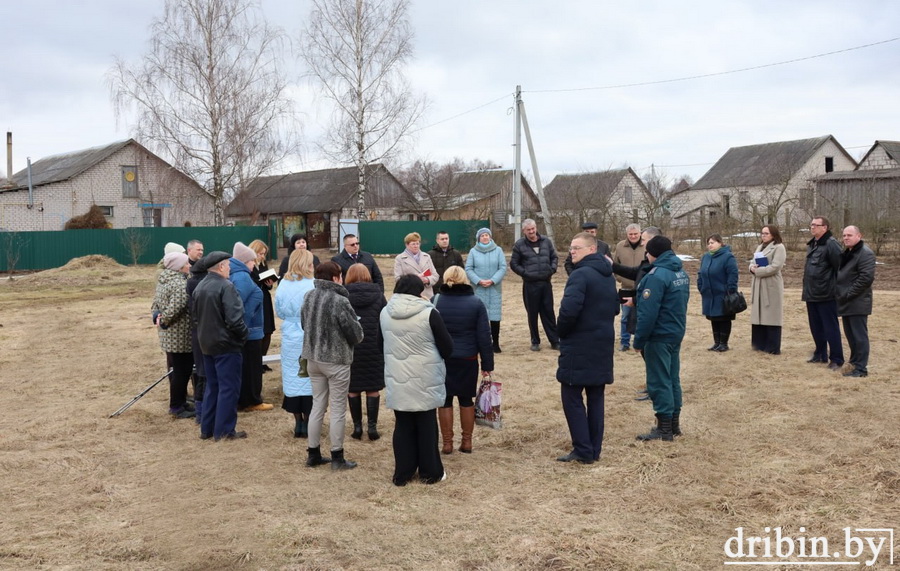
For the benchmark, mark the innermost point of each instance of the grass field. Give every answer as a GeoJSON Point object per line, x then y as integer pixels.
{"type": "Point", "coordinates": [769, 441]}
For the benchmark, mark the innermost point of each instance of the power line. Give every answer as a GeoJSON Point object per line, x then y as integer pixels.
{"type": "Point", "coordinates": [705, 75]}
{"type": "Point", "coordinates": [491, 102]}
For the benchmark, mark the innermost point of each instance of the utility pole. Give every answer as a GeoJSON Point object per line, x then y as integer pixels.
{"type": "Point", "coordinates": [522, 119]}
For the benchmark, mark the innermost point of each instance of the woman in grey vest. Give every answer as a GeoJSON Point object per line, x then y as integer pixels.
{"type": "Point", "coordinates": [416, 342]}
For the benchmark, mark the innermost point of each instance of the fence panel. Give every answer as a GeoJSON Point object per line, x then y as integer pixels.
{"type": "Point", "coordinates": [384, 237]}
{"type": "Point", "coordinates": [51, 249]}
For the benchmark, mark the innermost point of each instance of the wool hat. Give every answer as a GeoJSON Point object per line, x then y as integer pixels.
{"type": "Point", "coordinates": [173, 247]}
{"type": "Point", "coordinates": [243, 253]}
{"type": "Point", "coordinates": [175, 260]}
{"type": "Point", "coordinates": [589, 226]}
{"type": "Point", "coordinates": [483, 231]}
{"type": "Point", "coordinates": [657, 245]}
{"type": "Point", "coordinates": [211, 260]}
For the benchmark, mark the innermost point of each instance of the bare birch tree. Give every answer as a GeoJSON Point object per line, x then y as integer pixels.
{"type": "Point", "coordinates": [209, 94]}
{"type": "Point", "coordinates": [356, 50]}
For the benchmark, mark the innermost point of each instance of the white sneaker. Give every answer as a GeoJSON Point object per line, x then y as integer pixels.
{"type": "Point", "coordinates": [444, 477]}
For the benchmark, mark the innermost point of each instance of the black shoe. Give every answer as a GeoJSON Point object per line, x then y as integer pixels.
{"type": "Point", "coordinates": [372, 406]}
{"type": "Point", "coordinates": [834, 366]}
{"type": "Point", "coordinates": [357, 431]}
{"type": "Point", "coordinates": [856, 373]}
{"type": "Point", "coordinates": [205, 436]}
{"type": "Point", "coordinates": [496, 349]}
{"type": "Point", "coordinates": [554, 346]}
{"type": "Point", "coordinates": [339, 463]}
{"type": "Point", "coordinates": [722, 347]}
{"type": "Point", "coordinates": [642, 397]}
{"type": "Point", "coordinates": [714, 347]}
{"type": "Point", "coordinates": [535, 346]}
{"type": "Point", "coordinates": [662, 430]}
{"type": "Point", "coordinates": [815, 359]}
{"type": "Point", "coordinates": [624, 348]}
{"type": "Point", "coordinates": [314, 457]}
{"type": "Point", "coordinates": [267, 368]}
{"type": "Point", "coordinates": [234, 435]}
{"type": "Point", "coordinates": [572, 457]}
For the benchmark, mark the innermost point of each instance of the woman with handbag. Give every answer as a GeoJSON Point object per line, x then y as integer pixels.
{"type": "Point", "coordinates": [467, 321]}
{"type": "Point", "coordinates": [767, 292]}
{"type": "Point", "coordinates": [718, 276]}
{"type": "Point", "coordinates": [416, 344]}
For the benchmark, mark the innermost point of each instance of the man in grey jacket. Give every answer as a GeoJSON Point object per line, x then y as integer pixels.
{"type": "Point", "coordinates": [823, 258]}
{"type": "Point", "coordinates": [331, 330]}
{"type": "Point", "coordinates": [854, 298]}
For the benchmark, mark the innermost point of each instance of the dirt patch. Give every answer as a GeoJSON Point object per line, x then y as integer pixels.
{"type": "Point", "coordinates": [769, 441]}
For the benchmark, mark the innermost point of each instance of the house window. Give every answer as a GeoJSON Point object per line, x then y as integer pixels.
{"type": "Point", "coordinates": [628, 195]}
{"type": "Point", "coordinates": [424, 217]}
{"type": "Point", "coordinates": [829, 164]}
{"type": "Point", "coordinates": [129, 182]}
{"type": "Point", "coordinates": [726, 204]}
{"type": "Point", "coordinates": [152, 217]}
{"type": "Point", "coordinates": [106, 210]}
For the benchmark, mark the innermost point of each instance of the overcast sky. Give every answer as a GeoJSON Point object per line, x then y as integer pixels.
{"type": "Point", "coordinates": [574, 60]}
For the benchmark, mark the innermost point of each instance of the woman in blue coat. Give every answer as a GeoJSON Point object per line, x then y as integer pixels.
{"type": "Point", "coordinates": [295, 284]}
{"type": "Point", "coordinates": [485, 268]}
{"type": "Point", "coordinates": [467, 322]}
{"type": "Point", "coordinates": [718, 275]}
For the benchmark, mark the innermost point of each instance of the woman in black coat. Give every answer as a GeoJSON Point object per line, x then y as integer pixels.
{"type": "Point", "coordinates": [367, 370]}
{"type": "Point", "coordinates": [467, 321]}
{"type": "Point", "coordinates": [298, 242]}
{"type": "Point", "coordinates": [262, 255]}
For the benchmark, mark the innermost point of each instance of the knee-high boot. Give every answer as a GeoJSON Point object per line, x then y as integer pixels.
{"type": "Point", "coordinates": [300, 426]}
{"type": "Point", "coordinates": [372, 404]}
{"type": "Point", "coordinates": [355, 405]}
{"type": "Point", "coordinates": [445, 419]}
{"type": "Point", "coordinates": [495, 335]}
{"type": "Point", "coordinates": [467, 423]}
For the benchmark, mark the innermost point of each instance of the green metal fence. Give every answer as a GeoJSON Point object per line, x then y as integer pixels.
{"type": "Point", "coordinates": [42, 250]}
{"type": "Point", "coordinates": [380, 237]}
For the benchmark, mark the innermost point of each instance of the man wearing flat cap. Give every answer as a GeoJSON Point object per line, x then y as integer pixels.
{"type": "Point", "coordinates": [218, 314]}
{"type": "Point", "coordinates": [662, 298]}
{"type": "Point", "coordinates": [602, 247]}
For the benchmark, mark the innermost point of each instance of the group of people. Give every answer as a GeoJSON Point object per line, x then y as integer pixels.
{"type": "Point", "coordinates": [437, 335]}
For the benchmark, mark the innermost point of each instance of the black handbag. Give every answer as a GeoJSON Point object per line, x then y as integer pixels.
{"type": "Point", "coordinates": [734, 302]}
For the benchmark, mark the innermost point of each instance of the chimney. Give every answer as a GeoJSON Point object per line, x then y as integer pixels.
{"type": "Point", "coordinates": [9, 171]}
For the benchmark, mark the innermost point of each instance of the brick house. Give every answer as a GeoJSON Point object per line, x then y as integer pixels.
{"type": "Point", "coordinates": [133, 187]}
{"type": "Point", "coordinates": [759, 184]}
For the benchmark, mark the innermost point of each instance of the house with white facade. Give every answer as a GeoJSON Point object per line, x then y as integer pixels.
{"type": "Point", "coordinates": [131, 185]}
{"type": "Point", "coordinates": [770, 183]}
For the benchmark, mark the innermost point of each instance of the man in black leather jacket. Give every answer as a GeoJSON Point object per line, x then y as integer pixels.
{"type": "Point", "coordinates": [823, 259]}
{"type": "Point", "coordinates": [218, 314]}
{"type": "Point", "coordinates": [534, 258]}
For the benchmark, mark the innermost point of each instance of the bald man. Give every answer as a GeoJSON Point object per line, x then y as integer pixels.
{"type": "Point", "coordinates": [854, 298]}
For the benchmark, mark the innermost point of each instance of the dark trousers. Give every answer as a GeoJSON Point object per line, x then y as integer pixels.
{"type": "Point", "coordinates": [663, 363]}
{"type": "Point", "coordinates": [766, 338]}
{"type": "Point", "coordinates": [856, 329]}
{"type": "Point", "coordinates": [826, 332]}
{"type": "Point", "coordinates": [585, 427]}
{"type": "Point", "coordinates": [538, 297]}
{"type": "Point", "coordinates": [416, 447]}
{"type": "Point", "coordinates": [721, 330]}
{"type": "Point", "coordinates": [182, 365]}
{"type": "Point", "coordinates": [251, 375]}
{"type": "Point", "coordinates": [223, 385]}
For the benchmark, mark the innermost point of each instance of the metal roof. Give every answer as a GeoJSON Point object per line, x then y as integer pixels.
{"type": "Point", "coordinates": [564, 190]}
{"type": "Point", "coordinates": [760, 165]}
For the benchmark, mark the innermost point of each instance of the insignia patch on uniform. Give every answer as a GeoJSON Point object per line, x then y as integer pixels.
{"type": "Point", "coordinates": [646, 293]}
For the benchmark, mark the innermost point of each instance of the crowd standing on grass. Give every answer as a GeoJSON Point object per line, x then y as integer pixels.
{"type": "Point", "coordinates": [341, 338]}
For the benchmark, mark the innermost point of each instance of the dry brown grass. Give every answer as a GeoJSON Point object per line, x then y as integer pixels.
{"type": "Point", "coordinates": [768, 441]}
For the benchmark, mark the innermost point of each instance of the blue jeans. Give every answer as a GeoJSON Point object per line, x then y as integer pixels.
{"type": "Point", "coordinates": [623, 329]}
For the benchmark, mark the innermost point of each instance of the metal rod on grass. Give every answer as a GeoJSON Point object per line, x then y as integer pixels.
{"type": "Point", "coordinates": [142, 393]}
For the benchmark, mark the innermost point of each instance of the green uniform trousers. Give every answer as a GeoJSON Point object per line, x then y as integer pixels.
{"type": "Point", "coordinates": [663, 363]}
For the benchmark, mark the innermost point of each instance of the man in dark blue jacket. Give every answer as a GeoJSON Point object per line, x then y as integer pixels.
{"type": "Point", "coordinates": [661, 320]}
{"type": "Point", "coordinates": [534, 259]}
{"type": "Point", "coordinates": [823, 260]}
{"type": "Point", "coordinates": [854, 298]}
{"type": "Point", "coordinates": [587, 338]}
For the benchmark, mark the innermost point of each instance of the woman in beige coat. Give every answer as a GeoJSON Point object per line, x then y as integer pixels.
{"type": "Point", "coordinates": [767, 292]}
{"type": "Point", "coordinates": [413, 261]}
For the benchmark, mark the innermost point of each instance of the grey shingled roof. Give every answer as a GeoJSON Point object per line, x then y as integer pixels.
{"type": "Point", "coordinates": [868, 174]}
{"type": "Point", "coordinates": [563, 190]}
{"type": "Point", "coordinates": [324, 190]}
{"type": "Point", "coordinates": [892, 148]}
{"type": "Point", "coordinates": [760, 165]}
{"type": "Point", "coordinates": [58, 168]}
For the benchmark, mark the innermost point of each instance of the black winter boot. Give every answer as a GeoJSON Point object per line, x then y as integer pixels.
{"type": "Point", "coordinates": [716, 341]}
{"type": "Point", "coordinates": [495, 335]}
{"type": "Point", "coordinates": [339, 463]}
{"type": "Point", "coordinates": [372, 404]}
{"type": "Point", "coordinates": [676, 426]}
{"type": "Point", "coordinates": [300, 426]}
{"type": "Point", "coordinates": [356, 416]}
{"type": "Point", "coordinates": [314, 457]}
{"type": "Point", "coordinates": [662, 431]}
